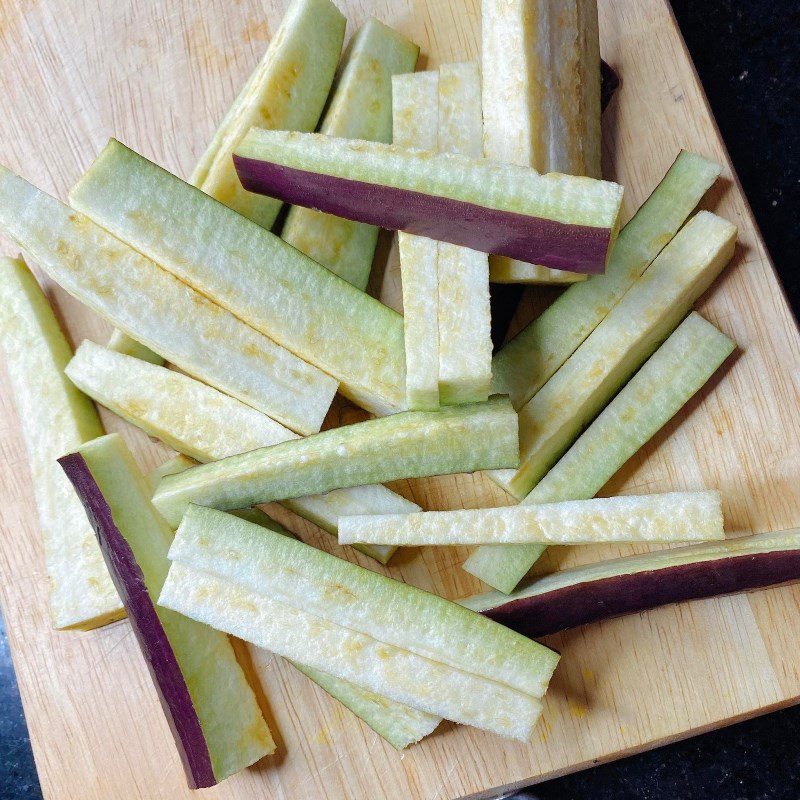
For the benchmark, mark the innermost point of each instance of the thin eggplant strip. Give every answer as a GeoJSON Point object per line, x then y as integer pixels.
{"type": "Point", "coordinates": [560, 220]}
{"type": "Point", "coordinates": [670, 377]}
{"type": "Point", "coordinates": [413, 444]}
{"type": "Point", "coordinates": [415, 111]}
{"type": "Point", "coordinates": [287, 91]}
{"type": "Point", "coordinates": [465, 343]}
{"type": "Point", "coordinates": [360, 107]}
{"type": "Point", "coordinates": [163, 313]}
{"type": "Point", "coordinates": [629, 585]}
{"type": "Point", "coordinates": [646, 315]}
{"type": "Point", "coordinates": [663, 518]}
{"type": "Point", "coordinates": [217, 724]}
{"type": "Point", "coordinates": [207, 425]}
{"type": "Point", "coordinates": [54, 417]}
{"type": "Point", "coordinates": [531, 358]}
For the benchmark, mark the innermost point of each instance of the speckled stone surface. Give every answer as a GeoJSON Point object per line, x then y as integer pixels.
{"type": "Point", "coordinates": [748, 57]}
{"type": "Point", "coordinates": [18, 779]}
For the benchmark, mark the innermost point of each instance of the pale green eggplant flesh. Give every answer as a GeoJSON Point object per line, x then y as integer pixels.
{"type": "Point", "coordinates": [135, 541]}
{"type": "Point", "coordinates": [122, 343]}
{"type": "Point", "coordinates": [207, 425]}
{"type": "Point", "coordinates": [287, 91]}
{"type": "Point", "coordinates": [357, 621]}
{"type": "Point", "coordinates": [158, 310]}
{"type": "Point", "coordinates": [415, 108]}
{"type": "Point", "coordinates": [666, 382]}
{"type": "Point", "coordinates": [269, 285]}
{"type": "Point", "coordinates": [54, 418]}
{"type": "Point", "coordinates": [465, 340]}
{"type": "Point", "coordinates": [648, 312]}
{"type": "Point", "coordinates": [360, 107]}
{"type": "Point", "coordinates": [660, 518]}
{"type": "Point", "coordinates": [524, 364]}
{"type": "Point", "coordinates": [400, 725]}
{"type": "Point", "coordinates": [408, 445]}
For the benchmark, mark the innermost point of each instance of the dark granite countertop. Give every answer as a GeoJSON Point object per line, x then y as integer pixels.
{"type": "Point", "coordinates": [748, 57]}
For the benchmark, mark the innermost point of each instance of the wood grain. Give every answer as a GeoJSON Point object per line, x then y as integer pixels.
{"type": "Point", "coordinates": [159, 74]}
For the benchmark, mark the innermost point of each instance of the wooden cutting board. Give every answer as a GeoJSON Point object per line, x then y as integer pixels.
{"type": "Point", "coordinates": [158, 74]}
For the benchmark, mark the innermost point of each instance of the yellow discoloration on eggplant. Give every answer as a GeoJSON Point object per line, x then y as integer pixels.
{"type": "Point", "coordinates": [360, 108]}
{"type": "Point", "coordinates": [55, 418]}
{"type": "Point", "coordinates": [395, 614]}
{"type": "Point", "coordinates": [372, 664]}
{"type": "Point", "coordinates": [270, 286]}
{"type": "Point", "coordinates": [673, 517]}
{"type": "Point", "coordinates": [286, 91]}
{"type": "Point", "coordinates": [160, 311]}
{"type": "Point", "coordinates": [338, 593]}
{"type": "Point", "coordinates": [207, 425]}
{"type": "Point", "coordinates": [644, 317]}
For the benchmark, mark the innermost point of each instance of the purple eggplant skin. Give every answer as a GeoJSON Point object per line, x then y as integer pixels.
{"type": "Point", "coordinates": [161, 661]}
{"type": "Point", "coordinates": [592, 601]}
{"type": "Point", "coordinates": [609, 83]}
{"type": "Point", "coordinates": [578, 248]}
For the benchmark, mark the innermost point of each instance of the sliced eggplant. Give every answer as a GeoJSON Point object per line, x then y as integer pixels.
{"type": "Point", "coordinates": [207, 425]}
{"type": "Point", "coordinates": [669, 517]}
{"type": "Point", "coordinates": [161, 312]}
{"type": "Point", "coordinates": [266, 283]}
{"type": "Point", "coordinates": [384, 635]}
{"type": "Point", "coordinates": [650, 310]}
{"type": "Point", "coordinates": [211, 709]}
{"type": "Point", "coordinates": [360, 107]}
{"type": "Point", "coordinates": [415, 110]}
{"type": "Point", "coordinates": [541, 95]}
{"type": "Point", "coordinates": [669, 378]}
{"type": "Point", "coordinates": [465, 339]}
{"type": "Point", "coordinates": [605, 589]}
{"type": "Point", "coordinates": [523, 365]}
{"type": "Point", "coordinates": [54, 417]}
{"type": "Point", "coordinates": [413, 444]}
{"type": "Point", "coordinates": [287, 91]}
{"type": "Point", "coordinates": [558, 220]}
